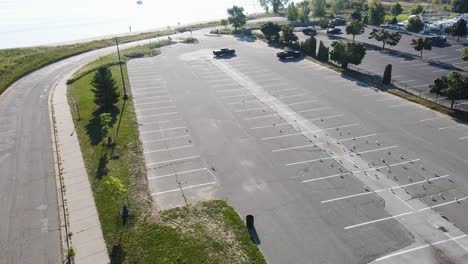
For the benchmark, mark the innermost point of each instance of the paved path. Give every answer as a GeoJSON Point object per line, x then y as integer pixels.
{"type": "Point", "coordinates": [82, 220]}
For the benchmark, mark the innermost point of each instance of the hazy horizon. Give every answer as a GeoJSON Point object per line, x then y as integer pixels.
{"type": "Point", "coordinates": [32, 23]}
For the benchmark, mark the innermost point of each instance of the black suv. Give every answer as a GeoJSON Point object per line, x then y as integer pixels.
{"type": "Point", "coordinates": [309, 31]}
{"type": "Point", "coordinates": [288, 54]}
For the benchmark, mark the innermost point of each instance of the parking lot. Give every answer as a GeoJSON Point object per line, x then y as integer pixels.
{"type": "Point", "coordinates": [334, 171]}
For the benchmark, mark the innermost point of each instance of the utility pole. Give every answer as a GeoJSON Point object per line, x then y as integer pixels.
{"type": "Point", "coordinates": [125, 97]}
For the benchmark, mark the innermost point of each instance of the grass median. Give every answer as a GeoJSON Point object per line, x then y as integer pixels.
{"type": "Point", "coordinates": [206, 232]}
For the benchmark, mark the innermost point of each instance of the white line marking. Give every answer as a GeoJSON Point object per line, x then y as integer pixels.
{"type": "Point", "coordinates": [171, 113]}
{"type": "Point", "coordinates": [173, 174]}
{"type": "Point", "coordinates": [422, 85]}
{"type": "Point", "coordinates": [283, 124]}
{"type": "Point", "coordinates": [337, 156]}
{"type": "Point", "coordinates": [382, 190]}
{"type": "Point", "coordinates": [407, 81]}
{"type": "Point", "coordinates": [167, 149]}
{"type": "Point", "coordinates": [439, 56]}
{"type": "Point", "coordinates": [447, 127]}
{"type": "Point", "coordinates": [162, 139]}
{"type": "Point", "coordinates": [432, 118]}
{"type": "Point", "coordinates": [393, 98]}
{"type": "Point", "coordinates": [263, 116]}
{"type": "Point", "coordinates": [461, 103]}
{"type": "Point", "coordinates": [359, 171]}
{"type": "Point", "coordinates": [311, 145]}
{"type": "Point", "coordinates": [420, 247]}
{"type": "Point", "coordinates": [250, 109]}
{"type": "Point", "coordinates": [449, 59]}
{"type": "Point", "coordinates": [374, 93]}
{"type": "Point", "coordinates": [273, 84]}
{"type": "Point", "coordinates": [440, 71]}
{"type": "Point", "coordinates": [161, 130]}
{"type": "Point", "coordinates": [303, 102]}
{"type": "Point", "coordinates": [152, 97]}
{"type": "Point", "coordinates": [184, 188]}
{"type": "Point", "coordinates": [230, 90]}
{"type": "Point", "coordinates": [402, 104]}
{"type": "Point", "coordinates": [219, 80]}
{"type": "Point", "coordinates": [162, 90]}
{"type": "Point", "coordinates": [222, 85]}
{"type": "Point", "coordinates": [157, 108]}
{"type": "Point", "coordinates": [312, 110]}
{"type": "Point", "coordinates": [275, 114]}
{"type": "Point", "coordinates": [167, 161]}
{"type": "Point", "coordinates": [234, 96]}
{"type": "Point", "coordinates": [290, 96]}
{"type": "Point", "coordinates": [160, 122]}
{"type": "Point", "coordinates": [407, 213]}
{"type": "Point", "coordinates": [158, 102]}
{"type": "Point", "coordinates": [463, 137]}
{"type": "Point", "coordinates": [138, 94]}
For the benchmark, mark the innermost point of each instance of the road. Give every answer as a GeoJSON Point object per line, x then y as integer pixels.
{"type": "Point", "coordinates": [29, 227]}
{"type": "Point", "coordinates": [333, 170]}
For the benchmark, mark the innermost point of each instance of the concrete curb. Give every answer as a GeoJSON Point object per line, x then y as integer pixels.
{"type": "Point", "coordinates": [80, 225]}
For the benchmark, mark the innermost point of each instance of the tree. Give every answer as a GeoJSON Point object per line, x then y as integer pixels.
{"type": "Point", "coordinates": [394, 21]}
{"type": "Point", "coordinates": [277, 4]}
{"type": "Point", "coordinates": [421, 44]}
{"type": "Point", "coordinates": [236, 16]}
{"type": "Point", "coordinates": [322, 54]}
{"type": "Point", "coordinates": [387, 75]}
{"type": "Point", "coordinates": [338, 6]}
{"type": "Point", "coordinates": [318, 7]}
{"type": "Point", "coordinates": [385, 37]}
{"type": "Point", "coordinates": [265, 4]}
{"type": "Point", "coordinates": [287, 35]}
{"type": "Point", "coordinates": [356, 14]}
{"type": "Point", "coordinates": [291, 12]}
{"type": "Point", "coordinates": [416, 10]}
{"type": "Point", "coordinates": [460, 6]}
{"type": "Point", "coordinates": [346, 53]}
{"type": "Point", "coordinates": [396, 10]}
{"type": "Point", "coordinates": [324, 23]}
{"type": "Point", "coordinates": [304, 10]}
{"type": "Point", "coordinates": [415, 24]}
{"type": "Point", "coordinates": [376, 14]}
{"type": "Point", "coordinates": [309, 46]}
{"type": "Point", "coordinates": [271, 31]}
{"type": "Point", "coordinates": [355, 28]}
{"type": "Point", "coordinates": [105, 89]}
{"type": "Point", "coordinates": [224, 22]}
{"type": "Point", "coordinates": [105, 120]}
{"type": "Point", "coordinates": [117, 190]}
{"type": "Point", "coordinates": [464, 55]}
{"type": "Point", "coordinates": [458, 29]}
{"type": "Point", "coordinates": [454, 87]}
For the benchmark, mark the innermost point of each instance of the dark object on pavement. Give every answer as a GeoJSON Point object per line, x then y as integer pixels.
{"type": "Point", "coordinates": [309, 31]}
{"type": "Point", "coordinates": [387, 76]}
{"type": "Point", "coordinates": [224, 52]}
{"type": "Point", "coordinates": [333, 31]}
{"type": "Point", "coordinates": [438, 39]}
{"type": "Point", "coordinates": [249, 220]}
{"type": "Point", "coordinates": [338, 21]}
{"type": "Point", "coordinates": [288, 54]}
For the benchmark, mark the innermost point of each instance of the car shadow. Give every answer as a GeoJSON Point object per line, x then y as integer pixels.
{"type": "Point", "coordinates": [225, 57]}
{"type": "Point", "coordinates": [291, 60]}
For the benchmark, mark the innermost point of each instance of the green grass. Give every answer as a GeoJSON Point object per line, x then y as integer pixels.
{"type": "Point", "coordinates": [207, 232]}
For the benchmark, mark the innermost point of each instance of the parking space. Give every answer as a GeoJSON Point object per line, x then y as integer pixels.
{"type": "Point", "coordinates": [277, 139]}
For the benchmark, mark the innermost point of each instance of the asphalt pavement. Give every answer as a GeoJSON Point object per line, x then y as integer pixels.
{"type": "Point", "coordinates": [334, 171]}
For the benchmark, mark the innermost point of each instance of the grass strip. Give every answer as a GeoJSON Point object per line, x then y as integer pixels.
{"type": "Point", "coordinates": [206, 232]}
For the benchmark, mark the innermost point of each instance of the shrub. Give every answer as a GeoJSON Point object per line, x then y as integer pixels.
{"type": "Point", "coordinates": [322, 52]}
{"type": "Point", "coordinates": [387, 76]}
{"type": "Point", "coordinates": [309, 46]}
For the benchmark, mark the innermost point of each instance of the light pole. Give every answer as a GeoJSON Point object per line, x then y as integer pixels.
{"type": "Point", "coordinates": [125, 97]}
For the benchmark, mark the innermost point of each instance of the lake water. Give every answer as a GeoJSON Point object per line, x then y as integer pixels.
{"type": "Point", "coordinates": [32, 22]}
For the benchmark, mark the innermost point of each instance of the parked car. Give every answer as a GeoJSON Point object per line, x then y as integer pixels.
{"type": "Point", "coordinates": [438, 39]}
{"type": "Point", "coordinates": [338, 21]}
{"type": "Point", "coordinates": [224, 52]}
{"type": "Point", "coordinates": [289, 53]}
{"type": "Point", "coordinates": [309, 31]}
{"type": "Point", "coordinates": [333, 31]}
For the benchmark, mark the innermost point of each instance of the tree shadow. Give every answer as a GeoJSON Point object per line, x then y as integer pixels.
{"type": "Point", "coordinates": [102, 169]}
{"type": "Point", "coordinates": [93, 128]}
{"type": "Point", "coordinates": [117, 255]}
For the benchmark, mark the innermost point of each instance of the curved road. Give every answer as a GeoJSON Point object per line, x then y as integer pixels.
{"type": "Point", "coordinates": [29, 225]}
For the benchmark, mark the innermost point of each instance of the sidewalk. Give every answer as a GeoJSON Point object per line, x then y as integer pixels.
{"type": "Point", "coordinates": [82, 220]}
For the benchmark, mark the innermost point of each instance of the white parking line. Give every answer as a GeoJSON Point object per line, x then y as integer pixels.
{"type": "Point", "coordinates": [313, 110]}
{"type": "Point", "coordinates": [295, 134]}
{"type": "Point", "coordinates": [402, 104]}
{"type": "Point", "coordinates": [168, 161]}
{"type": "Point", "coordinates": [303, 102]}
{"type": "Point", "coordinates": [337, 156]}
{"type": "Point", "coordinates": [230, 90]}
{"type": "Point", "coordinates": [359, 171]}
{"type": "Point", "coordinates": [407, 81]}
{"type": "Point", "coordinates": [290, 96]}
{"type": "Point", "coordinates": [422, 85]}
{"type": "Point", "coordinates": [170, 113]}
{"type": "Point", "coordinates": [439, 56]}
{"type": "Point", "coordinates": [447, 127]}
{"type": "Point", "coordinates": [440, 71]}
{"type": "Point", "coordinates": [407, 213]}
{"type": "Point", "coordinates": [161, 90]}
{"type": "Point", "coordinates": [183, 188]}
{"type": "Point", "coordinates": [162, 130]}
{"type": "Point", "coordinates": [157, 108]}
{"type": "Point", "coordinates": [283, 90]}
{"type": "Point", "coordinates": [250, 109]}
{"type": "Point", "coordinates": [461, 103]}
{"type": "Point", "coordinates": [463, 138]}
{"type": "Point", "coordinates": [239, 95]}
{"type": "Point", "coordinates": [162, 139]}
{"type": "Point", "coordinates": [222, 85]}
{"type": "Point", "coordinates": [420, 247]}
{"type": "Point", "coordinates": [383, 190]}
{"type": "Point", "coordinates": [173, 174]}
{"type": "Point", "coordinates": [158, 102]}
{"type": "Point", "coordinates": [167, 149]}
{"type": "Point", "coordinates": [273, 84]}
{"type": "Point", "coordinates": [154, 92]}
{"type": "Point", "coordinates": [432, 118]}
{"type": "Point", "coordinates": [152, 97]}
{"type": "Point", "coordinates": [318, 144]}
{"type": "Point", "coordinates": [450, 59]}
{"type": "Point", "coordinates": [220, 80]}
